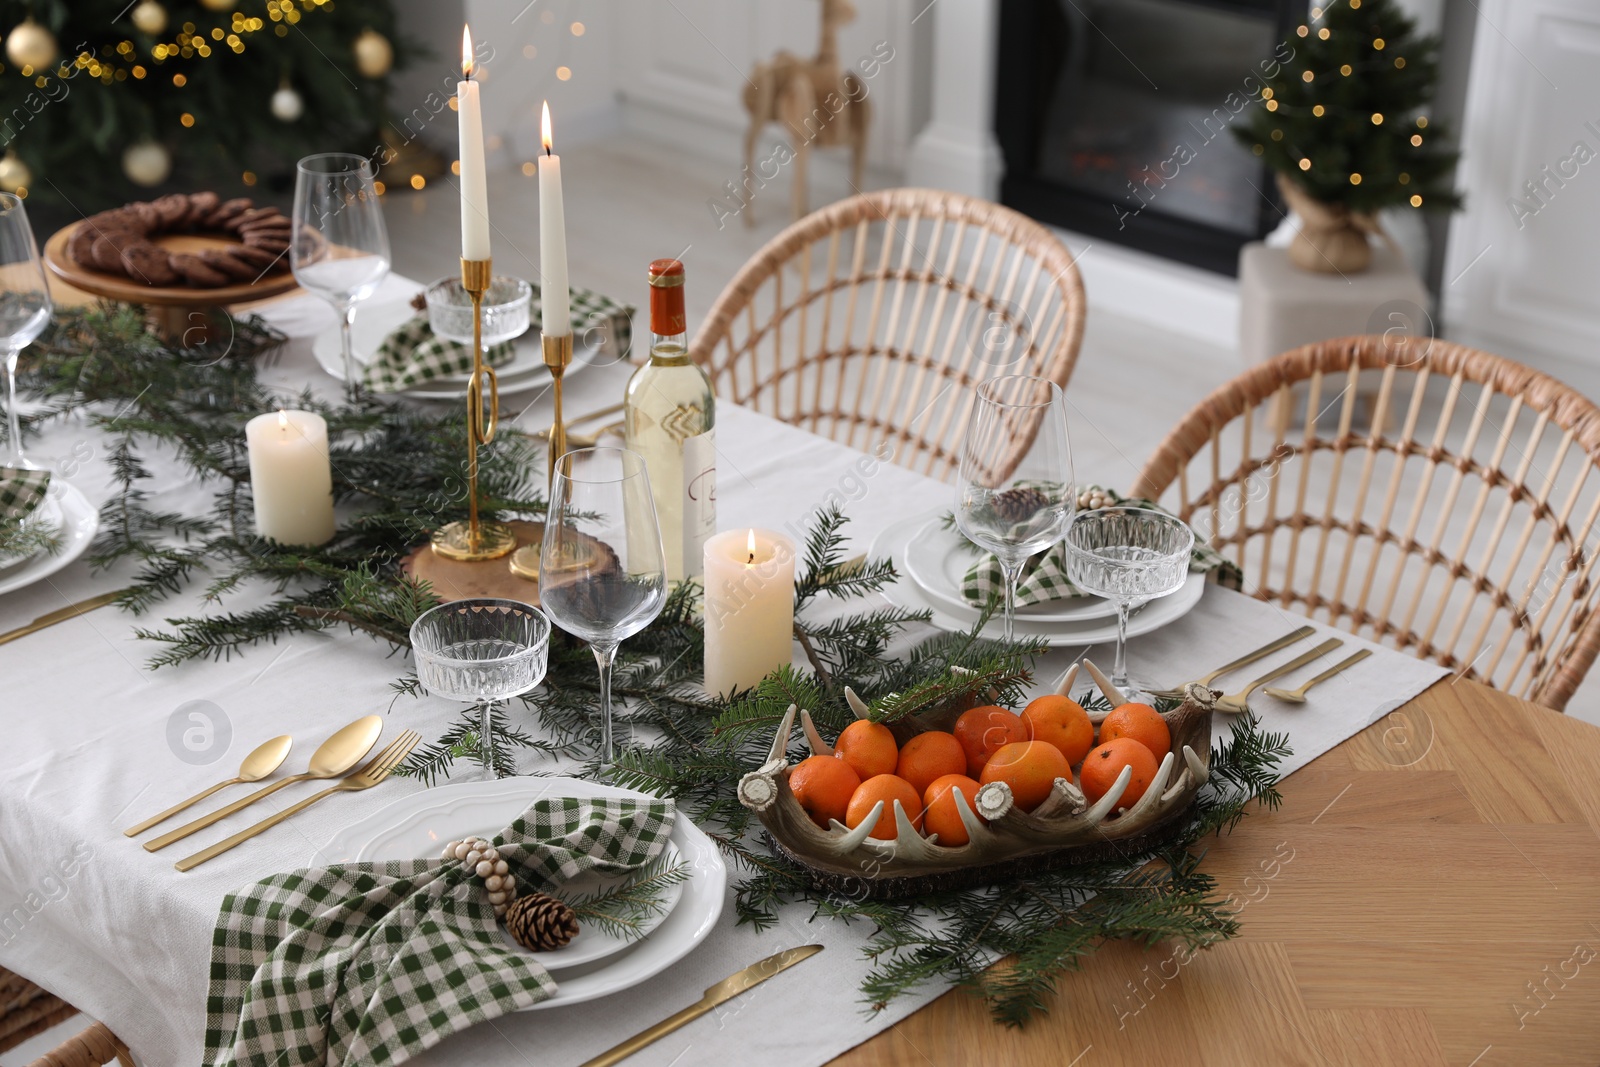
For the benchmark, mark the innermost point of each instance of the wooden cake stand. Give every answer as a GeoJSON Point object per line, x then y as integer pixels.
{"type": "Point", "coordinates": [176, 311]}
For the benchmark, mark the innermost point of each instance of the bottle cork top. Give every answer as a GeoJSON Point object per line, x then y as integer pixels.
{"type": "Point", "coordinates": [667, 318]}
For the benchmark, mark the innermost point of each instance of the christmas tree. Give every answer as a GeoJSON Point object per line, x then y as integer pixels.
{"type": "Point", "coordinates": [1345, 118]}
{"type": "Point", "coordinates": [103, 100]}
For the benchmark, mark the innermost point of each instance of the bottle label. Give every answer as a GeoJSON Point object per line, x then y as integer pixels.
{"type": "Point", "coordinates": [699, 499]}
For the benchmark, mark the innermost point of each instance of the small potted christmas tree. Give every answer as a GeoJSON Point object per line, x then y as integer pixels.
{"type": "Point", "coordinates": [1344, 123]}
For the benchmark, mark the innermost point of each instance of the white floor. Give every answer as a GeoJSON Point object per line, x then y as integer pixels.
{"type": "Point", "coordinates": [629, 201]}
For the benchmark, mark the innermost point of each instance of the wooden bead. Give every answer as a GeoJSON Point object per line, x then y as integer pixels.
{"type": "Point", "coordinates": [501, 867]}
{"type": "Point", "coordinates": [484, 869]}
{"type": "Point", "coordinates": [493, 883]}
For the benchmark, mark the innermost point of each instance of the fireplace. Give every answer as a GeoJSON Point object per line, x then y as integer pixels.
{"type": "Point", "coordinates": [1114, 119]}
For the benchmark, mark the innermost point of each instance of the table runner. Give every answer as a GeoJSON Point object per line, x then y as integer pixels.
{"type": "Point", "coordinates": [95, 742]}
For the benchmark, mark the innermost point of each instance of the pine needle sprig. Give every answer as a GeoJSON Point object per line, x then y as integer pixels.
{"type": "Point", "coordinates": [624, 910]}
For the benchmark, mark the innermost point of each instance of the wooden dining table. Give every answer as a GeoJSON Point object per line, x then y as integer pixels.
{"type": "Point", "coordinates": [1428, 893]}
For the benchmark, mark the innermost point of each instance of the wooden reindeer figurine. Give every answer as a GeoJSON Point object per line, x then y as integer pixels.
{"type": "Point", "coordinates": [815, 99]}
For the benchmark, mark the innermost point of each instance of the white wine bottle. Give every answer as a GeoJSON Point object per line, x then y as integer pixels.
{"type": "Point", "coordinates": [669, 415]}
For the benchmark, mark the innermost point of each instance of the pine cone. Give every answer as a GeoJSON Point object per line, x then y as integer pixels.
{"type": "Point", "coordinates": [1019, 505]}
{"type": "Point", "coordinates": [541, 922]}
{"type": "Point", "coordinates": [420, 301]}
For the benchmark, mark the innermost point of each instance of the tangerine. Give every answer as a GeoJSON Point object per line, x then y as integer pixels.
{"type": "Point", "coordinates": [1063, 723]}
{"type": "Point", "coordinates": [930, 755]}
{"type": "Point", "coordinates": [887, 788]}
{"type": "Point", "coordinates": [1030, 768]}
{"type": "Point", "coordinates": [985, 729]}
{"type": "Point", "coordinates": [823, 785]}
{"type": "Point", "coordinates": [1142, 723]}
{"type": "Point", "coordinates": [940, 814]}
{"type": "Point", "coordinates": [1102, 765]}
{"type": "Point", "coordinates": [868, 747]}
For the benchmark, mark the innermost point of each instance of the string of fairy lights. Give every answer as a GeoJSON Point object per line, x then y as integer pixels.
{"type": "Point", "coordinates": [1346, 70]}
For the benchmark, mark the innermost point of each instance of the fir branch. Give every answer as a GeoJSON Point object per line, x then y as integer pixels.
{"type": "Point", "coordinates": [624, 910]}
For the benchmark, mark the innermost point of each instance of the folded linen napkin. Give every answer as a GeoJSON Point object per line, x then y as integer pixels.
{"type": "Point", "coordinates": [1044, 577]}
{"type": "Point", "coordinates": [412, 354]}
{"type": "Point", "coordinates": [20, 492]}
{"type": "Point", "coordinates": [370, 963]}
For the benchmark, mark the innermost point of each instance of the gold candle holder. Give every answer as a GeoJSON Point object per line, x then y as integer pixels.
{"type": "Point", "coordinates": [475, 540]}
{"type": "Point", "coordinates": [557, 357]}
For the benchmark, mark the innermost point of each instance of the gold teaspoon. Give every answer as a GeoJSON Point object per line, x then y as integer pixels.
{"type": "Point", "coordinates": [267, 757]}
{"type": "Point", "coordinates": [1298, 696]}
{"type": "Point", "coordinates": [335, 756]}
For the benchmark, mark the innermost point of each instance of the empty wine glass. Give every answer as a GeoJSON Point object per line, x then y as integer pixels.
{"type": "Point", "coordinates": [482, 650]}
{"type": "Point", "coordinates": [1014, 495]}
{"type": "Point", "coordinates": [1129, 556]}
{"type": "Point", "coordinates": [339, 247]}
{"type": "Point", "coordinates": [24, 306]}
{"type": "Point", "coordinates": [602, 570]}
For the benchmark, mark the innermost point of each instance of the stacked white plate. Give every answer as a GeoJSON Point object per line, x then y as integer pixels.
{"type": "Point", "coordinates": [932, 561]}
{"type": "Point", "coordinates": [525, 372]}
{"type": "Point", "coordinates": [593, 964]}
{"type": "Point", "coordinates": [75, 520]}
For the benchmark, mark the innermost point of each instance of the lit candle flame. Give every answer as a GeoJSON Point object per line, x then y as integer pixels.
{"type": "Point", "coordinates": [544, 128]}
{"type": "Point", "coordinates": [752, 547]}
{"type": "Point", "coordinates": [466, 51]}
{"type": "Point", "coordinates": [283, 421]}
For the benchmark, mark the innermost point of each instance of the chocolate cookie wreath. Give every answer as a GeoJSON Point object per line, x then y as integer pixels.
{"type": "Point", "coordinates": [120, 241]}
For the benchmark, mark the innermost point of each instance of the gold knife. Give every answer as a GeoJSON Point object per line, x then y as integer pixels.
{"type": "Point", "coordinates": [71, 611]}
{"type": "Point", "coordinates": [722, 992]}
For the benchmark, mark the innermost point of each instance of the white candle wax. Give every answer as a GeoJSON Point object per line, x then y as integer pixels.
{"type": "Point", "coordinates": [291, 477]}
{"type": "Point", "coordinates": [554, 292]}
{"type": "Point", "coordinates": [474, 180]}
{"type": "Point", "coordinates": [749, 582]}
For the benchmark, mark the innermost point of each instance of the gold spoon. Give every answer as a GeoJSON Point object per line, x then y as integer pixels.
{"type": "Point", "coordinates": [332, 759]}
{"type": "Point", "coordinates": [267, 757]}
{"type": "Point", "coordinates": [1298, 696]}
{"type": "Point", "coordinates": [1240, 701]}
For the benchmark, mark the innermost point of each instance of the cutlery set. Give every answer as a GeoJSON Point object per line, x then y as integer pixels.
{"type": "Point", "coordinates": [334, 758]}
{"type": "Point", "coordinates": [1240, 701]}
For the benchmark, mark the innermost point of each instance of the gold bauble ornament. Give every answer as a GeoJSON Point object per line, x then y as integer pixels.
{"type": "Point", "coordinates": [374, 54]}
{"type": "Point", "coordinates": [14, 173]}
{"type": "Point", "coordinates": [216, 5]}
{"type": "Point", "coordinates": [150, 18]}
{"type": "Point", "coordinates": [147, 163]}
{"type": "Point", "coordinates": [31, 45]}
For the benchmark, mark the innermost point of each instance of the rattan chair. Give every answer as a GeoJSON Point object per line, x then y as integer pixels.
{"type": "Point", "coordinates": [868, 321]}
{"type": "Point", "coordinates": [1434, 498]}
{"type": "Point", "coordinates": [27, 1010]}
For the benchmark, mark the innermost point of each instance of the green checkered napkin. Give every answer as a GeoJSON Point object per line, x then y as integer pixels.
{"type": "Point", "coordinates": [1044, 577]}
{"type": "Point", "coordinates": [370, 963]}
{"type": "Point", "coordinates": [412, 354]}
{"type": "Point", "coordinates": [20, 492]}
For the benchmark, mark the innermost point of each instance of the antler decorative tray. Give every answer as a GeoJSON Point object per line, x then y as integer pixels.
{"type": "Point", "coordinates": [1003, 840]}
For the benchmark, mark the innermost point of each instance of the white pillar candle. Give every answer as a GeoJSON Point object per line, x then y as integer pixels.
{"type": "Point", "coordinates": [291, 477]}
{"type": "Point", "coordinates": [749, 582]}
{"type": "Point", "coordinates": [474, 180]}
{"type": "Point", "coordinates": [554, 292]}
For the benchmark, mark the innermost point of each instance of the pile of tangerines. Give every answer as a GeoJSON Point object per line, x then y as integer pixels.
{"type": "Point", "coordinates": [1052, 738]}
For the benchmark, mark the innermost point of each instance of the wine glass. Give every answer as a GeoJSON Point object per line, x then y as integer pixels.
{"type": "Point", "coordinates": [1014, 495]}
{"type": "Point", "coordinates": [339, 247]}
{"type": "Point", "coordinates": [482, 650]}
{"type": "Point", "coordinates": [24, 307]}
{"type": "Point", "coordinates": [1129, 556]}
{"type": "Point", "coordinates": [602, 570]}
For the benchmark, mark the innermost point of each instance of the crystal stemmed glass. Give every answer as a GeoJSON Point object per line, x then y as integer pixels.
{"type": "Point", "coordinates": [482, 650]}
{"type": "Point", "coordinates": [24, 306]}
{"type": "Point", "coordinates": [339, 247]}
{"type": "Point", "coordinates": [602, 570]}
{"type": "Point", "coordinates": [1014, 495]}
{"type": "Point", "coordinates": [1129, 556]}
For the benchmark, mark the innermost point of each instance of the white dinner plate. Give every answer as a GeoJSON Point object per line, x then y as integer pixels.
{"type": "Point", "coordinates": [77, 521]}
{"type": "Point", "coordinates": [419, 825]}
{"type": "Point", "coordinates": [892, 542]}
{"type": "Point", "coordinates": [525, 372]}
{"type": "Point", "coordinates": [591, 943]}
{"type": "Point", "coordinates": [938, 559]}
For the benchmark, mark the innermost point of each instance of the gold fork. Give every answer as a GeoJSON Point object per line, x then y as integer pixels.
{"type": "Point", "coordinates": [376, 770]}
{"type": "Point", "coordinates": [1243, 661]}
{"type": "Point", "coordinates": [1240, 701]}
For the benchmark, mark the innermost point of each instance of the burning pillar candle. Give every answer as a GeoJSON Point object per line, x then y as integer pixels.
{"type": "Point", "coordinates": [474, 178]}
{"type": "Point", "coordinates": [555, 296]}
{"type": "Point", "coordinates": [291, 477]}
{"type": "Point", "coordinates": [749, 582]}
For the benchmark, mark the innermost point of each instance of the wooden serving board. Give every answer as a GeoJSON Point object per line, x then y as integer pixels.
{"type": "Point", "coordinates": [171, 305]}
{"type": "Point", "coordinates": [454, 579]}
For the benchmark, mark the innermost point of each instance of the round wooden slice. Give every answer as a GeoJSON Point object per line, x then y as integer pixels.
{"type": "Point", "coordinates": [170, 304]}
{"type": "Point", "coordinates": [454, 579]}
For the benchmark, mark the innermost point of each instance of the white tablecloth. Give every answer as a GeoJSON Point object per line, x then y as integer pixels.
{"type": "Point", "coordinates": [89, 749]}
